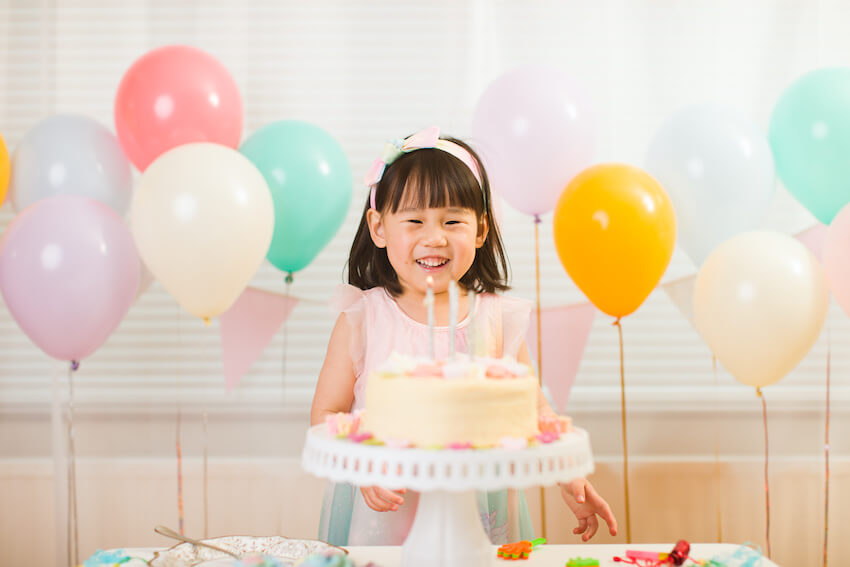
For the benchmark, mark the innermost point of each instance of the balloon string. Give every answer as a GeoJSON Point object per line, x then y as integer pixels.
{"type": "Point", "coordinates": [73, 519]}
{"type": "Point", "coordinates": [539, 349]}
{"type": "Point", "coordinates": [179, 473]}
{"type": "Point", "coordinates": [625, 439]}
{"type": "Point", "coordinates": [826, 450]}
{"type": "Point", "coordinates": [766, 481]}
{"type": "Point", "coordinates": [287, 281]}
{"type": "Point", "coordinates": [717, 483]}
{"type": "Point", "coordinates": [179, 434]}
{"type": "Point", "coordinates": [206, 477]}
{"type": "Point", "coordinates": [206, 444]}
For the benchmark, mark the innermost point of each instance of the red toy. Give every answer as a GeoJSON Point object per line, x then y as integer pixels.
{"type": "Point", "coordinates": [654, 559]}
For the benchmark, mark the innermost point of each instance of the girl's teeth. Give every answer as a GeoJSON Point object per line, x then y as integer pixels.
{"type": "Point", "coordinates": [431, 263]}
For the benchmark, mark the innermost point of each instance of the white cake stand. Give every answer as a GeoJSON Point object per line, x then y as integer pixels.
{"type": "Point", "coordinates": [447, 529]}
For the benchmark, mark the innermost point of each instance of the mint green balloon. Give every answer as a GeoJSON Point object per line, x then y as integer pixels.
{"type": "Point", "coordinates": [310, 180]}
{"type": "Point", "coordinates": [810, 138]}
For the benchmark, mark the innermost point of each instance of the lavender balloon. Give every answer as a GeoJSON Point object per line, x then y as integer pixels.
{"type": "Point", "coordinates": [534, 131]}
{"type": "Point", "coordinates": [69, 271]}
{"type": "Point", "coordinates": [70, 154]}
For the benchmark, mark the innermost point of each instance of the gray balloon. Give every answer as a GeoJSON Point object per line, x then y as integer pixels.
{"type": "Point", "coordinates": [69, 154]}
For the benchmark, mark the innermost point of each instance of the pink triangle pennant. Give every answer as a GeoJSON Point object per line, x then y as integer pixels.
{"type": "Point", "coordinates": [565, 331]}
{"type": "Point", "coordinates": [247, 329]}
{"type": "Point", "coordinates": [681, 293]}
{"type": "Point", "coordinates": [813, 237]}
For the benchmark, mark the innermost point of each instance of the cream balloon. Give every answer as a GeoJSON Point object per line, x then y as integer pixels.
{"type": "Point", "coordinates": [760, 301]}
{"type": "Point", "coordinates": [202, 217]}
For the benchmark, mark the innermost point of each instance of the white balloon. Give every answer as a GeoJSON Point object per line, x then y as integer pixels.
{"type": "Point", "coordinates": [718, 169]}
{"type": "Point", "coordinates": [760, 301]}
{"type": "Point", "coordinates": [202, 217]}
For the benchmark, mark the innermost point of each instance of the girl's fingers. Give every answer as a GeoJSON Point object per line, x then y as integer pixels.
{"type": "Point", "coordinates": [604, 511]}
{"type": "Point", "coordinates": [593, 525]}
{"type": "Point", "coordinates": [578, 492]}
{"type": "Point", "coordinates": [389, 496]}
{"type": "Point", "coordinates": [373, 501]}
{"type": "Point", "coordinates": [582, 526]}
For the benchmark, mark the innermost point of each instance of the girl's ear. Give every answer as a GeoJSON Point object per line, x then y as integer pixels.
{"type": "Point", "coordinates": [376, 228]}
{"type": "Point", "coordinates": [483, 229]}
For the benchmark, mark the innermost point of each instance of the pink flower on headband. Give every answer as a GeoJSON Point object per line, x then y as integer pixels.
{"type": "Point", "coordinates": [427, 138]}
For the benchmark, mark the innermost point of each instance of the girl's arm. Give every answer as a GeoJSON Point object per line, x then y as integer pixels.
{"type": "Point", "coordinates": [543, 407]}
{"type": "Point", "coordinates": [335, 387]}
{"type": "Point", "coordinates": [335, 393]}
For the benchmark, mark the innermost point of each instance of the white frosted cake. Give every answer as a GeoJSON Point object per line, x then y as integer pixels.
{"type": "Point", "coordinates": [425, 403]}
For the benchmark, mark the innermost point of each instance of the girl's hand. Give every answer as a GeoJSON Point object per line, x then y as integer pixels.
{"type": "Point", "coordinates": [381, 499]}
{"type": "Point", "coordinates": [586, 504]}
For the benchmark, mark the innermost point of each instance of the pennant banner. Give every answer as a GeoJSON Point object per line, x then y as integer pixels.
{"type": "Point", "coordinates": [565, 330]}
{"type": "Point", "coordinates": [813, 238]}
{"type": "Point", "coordinates": [681, 292]}
{"type": "Point", "coordinates": [247, 329]}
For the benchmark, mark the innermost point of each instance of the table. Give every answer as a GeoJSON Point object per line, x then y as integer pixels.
{"type": "Point", "coordinates": [555, 555]}
{"type": "Point", "coordinates": [544, 556]}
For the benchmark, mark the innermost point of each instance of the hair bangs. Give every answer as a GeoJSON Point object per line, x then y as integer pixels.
{"type": "Point", "coordinates": [430, 179]}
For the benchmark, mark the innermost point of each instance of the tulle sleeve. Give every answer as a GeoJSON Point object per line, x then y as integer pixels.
{"type": "Point", "coordinates": [351, 301]}
{"type": "Point", "coordinates": [516, 315]}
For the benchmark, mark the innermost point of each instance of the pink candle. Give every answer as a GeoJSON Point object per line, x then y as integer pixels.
{"type": "Point", "coordinates": [429, 303]}
{"type": "Point", "coordinates": [470, 334]}
{"type": "Point", "coordinates": [453, 300]}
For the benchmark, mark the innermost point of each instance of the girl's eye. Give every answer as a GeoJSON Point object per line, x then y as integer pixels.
{"type": "Point", "coordinates": [414, 221]}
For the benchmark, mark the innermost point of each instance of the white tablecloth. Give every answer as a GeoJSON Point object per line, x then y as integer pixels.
{"type": "Point", "coordinates": [543, 556]}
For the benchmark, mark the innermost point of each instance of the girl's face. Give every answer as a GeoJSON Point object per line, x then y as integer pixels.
{"type": "Point", "coordinates": [438, 242]}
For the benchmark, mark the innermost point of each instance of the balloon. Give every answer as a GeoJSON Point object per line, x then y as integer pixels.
{"type": "Point", "coordinates": [202, 219]}
{"type": "Point", "coordinates": [760, 300]}
{"type": "Point", "coordinates": [175, 95]}
{"type": "Point", "coordinates": [615, 231]}
{"type": "Point", "coordinates": [534, 132]}
{"type": "Point", "coordinates": [836, 258]}
{"type": "Point", "coordinates": [717, 167]}
{"type": "Point", "coordinates": [310, 181]}
{"type": "Point", "coordinates": [68, 274]}
{"type": "Point", "coordinates": [70, 154]}
{"type": "Point", "coordinates": [4, 170]}
{"type": "Point", "coordinates": [810, 137]}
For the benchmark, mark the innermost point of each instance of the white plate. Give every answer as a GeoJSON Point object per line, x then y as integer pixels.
{"type": "Point", "coordinates": [288, 550]}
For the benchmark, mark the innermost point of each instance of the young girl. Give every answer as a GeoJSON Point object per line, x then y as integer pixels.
{"type": "Point", "coordinates": [428, 214]}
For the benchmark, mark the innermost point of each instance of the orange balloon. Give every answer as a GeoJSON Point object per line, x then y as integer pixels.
{"type": "Point", "coordinates": [4, 170]}
{"type": "Point", "coordinates": [615, 230]}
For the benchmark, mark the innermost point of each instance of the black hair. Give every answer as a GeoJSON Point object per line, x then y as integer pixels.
{"type": "Point", "coordinates": [427, 178]}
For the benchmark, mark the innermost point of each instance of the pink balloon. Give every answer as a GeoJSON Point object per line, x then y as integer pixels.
{"type": "Point", "coordinates": [534, 131]}
{"type": "Point", "coordinates": [172, 96]}
{"type": "Point", "coordinates": [836, 258]}
{"type": "Point", "coordinates": [68, 273]}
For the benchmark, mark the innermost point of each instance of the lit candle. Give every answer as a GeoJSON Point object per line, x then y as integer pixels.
{"type": "Point", "coordinates": [429, 303]}
{"type": "Point", "coordinates": [453, 296]}
{"type": "Point", "coordinates": [470, 335]}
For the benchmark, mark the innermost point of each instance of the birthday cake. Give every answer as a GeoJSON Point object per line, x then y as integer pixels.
{"type": "Point", "coordinates": [460, 404]}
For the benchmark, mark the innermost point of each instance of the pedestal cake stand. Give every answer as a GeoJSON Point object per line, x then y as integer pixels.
{"type": "Point", "coordinates": [447, 529]}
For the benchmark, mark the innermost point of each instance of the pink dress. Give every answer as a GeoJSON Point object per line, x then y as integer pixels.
{"type": "Point", "coordinates": [378, 328]}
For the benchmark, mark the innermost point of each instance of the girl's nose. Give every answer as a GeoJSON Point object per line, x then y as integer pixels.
{"type": "Point", "coordinates": [435, 237]}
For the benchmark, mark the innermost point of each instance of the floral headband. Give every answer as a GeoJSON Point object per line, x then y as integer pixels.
{"type": "Point", "coordinates": [428, 138]}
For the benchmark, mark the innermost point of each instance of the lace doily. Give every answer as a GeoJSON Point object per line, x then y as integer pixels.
{"type": "Point", "coordinates": [287, 550]}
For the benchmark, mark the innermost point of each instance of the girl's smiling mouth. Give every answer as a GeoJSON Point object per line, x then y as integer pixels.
{"type": "Point", "coordinates": [432, 262]}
